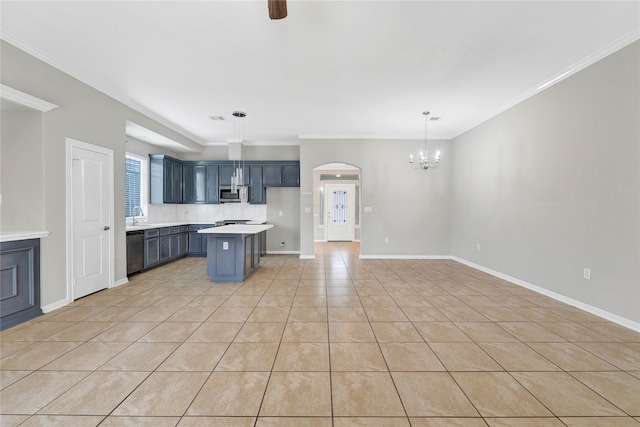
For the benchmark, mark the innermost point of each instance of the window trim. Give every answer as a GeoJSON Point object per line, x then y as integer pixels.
{"type": "Point", "coordinates": [144, 184]}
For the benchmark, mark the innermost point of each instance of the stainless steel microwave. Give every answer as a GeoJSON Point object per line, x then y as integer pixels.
{"type": "Point", "coordinates": [228, 196]}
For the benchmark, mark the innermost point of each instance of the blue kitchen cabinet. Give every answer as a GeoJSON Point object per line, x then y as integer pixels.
{"type": "Point", "coordinates": [166, 179]}
{"type": "Point", "coordinates": [213, 194]}
{"type": "Point", "coordinates": [257, 191]}
{"type": "Point", "coordinates": [195, 183]}
{"type": "Point", "coordinates": [19, 282]}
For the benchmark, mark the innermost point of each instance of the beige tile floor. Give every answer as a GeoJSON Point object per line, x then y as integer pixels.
{"type": "Point", "coordinates": [335, 341]}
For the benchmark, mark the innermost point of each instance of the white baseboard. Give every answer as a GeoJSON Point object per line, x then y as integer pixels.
{"type": "Point", "coordinates": [320, 241]}
{"type": "Point", "coordinates": [404, 256]}
{"type": "Point", "coordinates": [581, 305]}
{"type": "Point", "coordinates": [307, 257]}
{"type": "Point", "coordinates": [54, 305]}
{"type": "Point", "coordinates": [283, 252]}
{"type": "Point", "coordinates": [120, 282]}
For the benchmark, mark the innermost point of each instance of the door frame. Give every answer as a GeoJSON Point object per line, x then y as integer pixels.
{"type": "Point", "coordinates": [352, 212]}
{"type": "Point", "coordinates": [70, 145]}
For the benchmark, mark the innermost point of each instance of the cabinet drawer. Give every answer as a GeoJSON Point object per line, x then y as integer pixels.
{"type": "Point", "coordinates": [175, 230]}
{"type": "Point", "coordinates": [154, 232]}
{"type": "Point", "coordinates": [165, 231]}
{"type": "Point", "coordinates": [184, 228]}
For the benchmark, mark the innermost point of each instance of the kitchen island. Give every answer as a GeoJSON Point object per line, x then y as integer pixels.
{"type": "Point", "coordinates": [233, 251]}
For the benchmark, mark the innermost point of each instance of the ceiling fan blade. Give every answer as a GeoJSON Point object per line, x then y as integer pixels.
{"type": "Point", "coordinates": [277, 9]}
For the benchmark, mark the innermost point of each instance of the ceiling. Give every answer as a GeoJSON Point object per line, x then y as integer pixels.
{"type": "Point", "coordinates": [331, 69]}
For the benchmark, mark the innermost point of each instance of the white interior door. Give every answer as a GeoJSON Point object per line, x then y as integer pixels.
{"type": "Point", "coordinates": [340, 212]}
{"type": "Point", "coordinates": [91, 212]}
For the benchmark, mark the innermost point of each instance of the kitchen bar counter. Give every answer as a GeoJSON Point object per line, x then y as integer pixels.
{"type": "Point", "coordinates": [237, 229]}
{"type": "Point", "coordinates": [233, 251]}
{"type": "Point", "coordinates": [147, 225]}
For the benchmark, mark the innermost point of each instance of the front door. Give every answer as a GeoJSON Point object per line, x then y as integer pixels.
{"type": "Point", "coordinates": [340, 212]}
{"type": "Point", "coordinates": [91, 204]}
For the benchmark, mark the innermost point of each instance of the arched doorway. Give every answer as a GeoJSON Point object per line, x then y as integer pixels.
{"type": "Point", "coordinates": [336, 203]}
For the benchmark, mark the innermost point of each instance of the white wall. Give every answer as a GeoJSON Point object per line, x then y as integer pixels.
{"type": "Point", "coordinates": [552, 186]}
{"type": "Point", "coordinates": [411, 207]}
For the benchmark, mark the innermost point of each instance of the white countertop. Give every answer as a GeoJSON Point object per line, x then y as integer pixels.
{"type": "Point", "coordinates": [237, 229]}
{"type": "Point", "coordinates": [13, 236]}
{"type": "Point", "coordinates": [147, 225]}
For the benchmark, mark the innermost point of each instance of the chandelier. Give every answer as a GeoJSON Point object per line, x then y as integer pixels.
{"type": "Point", "coordinates": [424, 162]}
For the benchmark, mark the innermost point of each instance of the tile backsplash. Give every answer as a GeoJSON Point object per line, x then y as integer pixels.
{"type": "Point", "coordinates": [159, 213]}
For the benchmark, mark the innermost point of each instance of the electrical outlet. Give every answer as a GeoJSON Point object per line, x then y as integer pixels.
{"type": "Point", "coordinates": [280, 213]}
{"type": "Point", "coordinates": [386, 240]}
{"type": "Point", "coordinates": [225, 246]}
{"type": "Point", "coordinates": [478, 246]}
{"type": "Point", "coordinates": [587, 273]}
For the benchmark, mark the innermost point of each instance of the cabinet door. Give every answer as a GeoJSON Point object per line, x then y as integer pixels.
{"type": "Point", "coordinates": [212, 184]}
{"type": "Point", "coordinates": [176, 183]}
{"type": "Point", "coordinates": [165, 247]}
{"type": "Point", "coordinates": [205, 242]}
{"type": "Point", "coordinates": [172, 182]}
{"type": "Point", "coordinates": [194, 183]}
{"type": "Point", "coordinates": [151, 251]}
{"type": "Point", "coordinates": [248, 250]}
{"type": "Point", "coordinates": [183, 243]}
{"type": "Point", "coordinates": [272, 175]}
{"type": "Point", "coordinates": [255, 255]}
{"type": "Point", "coordinates": [291, 175]}
{"type": "Point", "coordinates": [225, 172]}
{"type": "Point", "coordinates": [175, 245]}
{"type": "Point", "coordinates": [188, 195]}
{"type": "Point", "coordinates": [256, 188]}
{"type": "Point", "coordinates": [168, 182]}
{"type": "Point", "coordinates": [195, 242]}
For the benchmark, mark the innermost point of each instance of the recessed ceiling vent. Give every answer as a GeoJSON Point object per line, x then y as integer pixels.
{"type": "Point", "coordinates": [217, 118]}
{"type": "Point", "coordinates": [434, 119]}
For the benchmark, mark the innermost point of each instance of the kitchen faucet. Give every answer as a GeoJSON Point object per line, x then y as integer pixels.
{"type": "Point", "coordinates": [133, 210]}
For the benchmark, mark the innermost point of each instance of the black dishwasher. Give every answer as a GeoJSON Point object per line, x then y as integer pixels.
{"type": "Point", "coordinates": [135, 251]}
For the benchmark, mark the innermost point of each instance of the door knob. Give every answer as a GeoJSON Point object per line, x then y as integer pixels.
{"type": "Point", "coordinates": [106, 227]}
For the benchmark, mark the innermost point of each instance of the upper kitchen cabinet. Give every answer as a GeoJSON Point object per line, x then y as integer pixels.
{"type": "Point", "coordinates": [257, 191]}
{"type": "Point", "coordinates": [213, 195]}
{"type": "Point", "coordinates": [176, 181]}
{"type": "Point", "coordinates": [166, 179]}
{"type": "Point", "coordinates": [291, 175]}
{"type": "Point", "coordinates": [227, 170]}
{"type": "Point", "coordinates": [195, 183]}
{"type": "Point", "coordinates": [281, 174]}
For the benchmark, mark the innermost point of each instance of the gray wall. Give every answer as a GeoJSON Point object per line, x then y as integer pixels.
{"type": "Point", "coordinates": [21, 151]}
{"type": "Point", "coordinates": [84, 114]}
{"type": "Point", "coordinates": [411, 207]}
{"type": "Point", "coordinates": [551, 186]}
{"type": "Point", "coordinates": [286, 227]}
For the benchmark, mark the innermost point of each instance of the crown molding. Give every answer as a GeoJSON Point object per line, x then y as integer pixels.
{"type": "Point", "coordinates": [580, 65]}
{"type": "Point", "coordinates": [17, 97]}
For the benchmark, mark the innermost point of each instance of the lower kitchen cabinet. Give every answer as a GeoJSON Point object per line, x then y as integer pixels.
{"type": "Point", "coordinates": [197, 241]}
{"type": "Point", "coordinates": [19, 282]}
{"type": "Point", "coordinates": [162, 245]}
